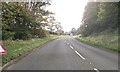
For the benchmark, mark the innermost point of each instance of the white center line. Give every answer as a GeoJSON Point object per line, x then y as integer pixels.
{"type": "Point", "coordinates": [90, 63]}
{"type": "Point", "coordinates": [71, 47]}
{"type": "Point", "coordinates": [96, 70]}
{"type": "Point", "coordinates": [0, 68]}
{"type": "Point", "coordinates": [68, 43]}
{"type": "Point", "coordinates": [80, 55]}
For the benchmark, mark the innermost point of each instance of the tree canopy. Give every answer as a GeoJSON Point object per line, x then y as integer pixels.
{"type": "Point", "coordinates": [24, 20]}
{"type": "Point", "coordinates": [98, 17]}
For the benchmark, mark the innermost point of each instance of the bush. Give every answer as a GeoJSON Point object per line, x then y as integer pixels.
{"type": "Point", "coordinates": [43, 33]}
{"type": "Point", "coordinates": [7, 35]}
{"type": "Point", "coordinates": [40, 33]}
{"type": "Point", "coordinates": [24, 35]}
{"type": "Point", "coordinates": [54, 33]}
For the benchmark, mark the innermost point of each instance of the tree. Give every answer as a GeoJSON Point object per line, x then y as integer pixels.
{"type": "Point", "coordinates": [108, 15]}
{"type": "Point", "coordinates": [74, 31]}
{"type": "Point", "coordinates": [98, 17]}
{"type": "Point", "coordinates": [19, 19]}
{"type": "Point", "coordinates": [89, 18]}
{"type": "Point", "coordinates": [58, 27]}
{"type": "Point", "coordinates": [51, 22]}
{"type": "Point", "coordinates": [53, 25]}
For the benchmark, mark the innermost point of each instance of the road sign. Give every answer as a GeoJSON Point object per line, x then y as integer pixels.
{"type": "Point", "coordinates": [2, 49]}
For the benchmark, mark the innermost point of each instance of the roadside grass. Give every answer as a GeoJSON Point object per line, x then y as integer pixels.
{"type": "Point", "coordinates": [104, 40]}
{"type": "Point", "coordinates": [19, 47]}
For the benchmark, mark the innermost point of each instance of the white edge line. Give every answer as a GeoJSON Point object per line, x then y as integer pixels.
{"type": "Point", "coordinates": [80, 55]}
{"type": "Point", "coordinates": [96, 70]}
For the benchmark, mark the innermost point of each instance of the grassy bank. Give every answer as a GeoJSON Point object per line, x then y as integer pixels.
{"type": "Point", "coordinates": [105, 39]}
{"type": "Point", "coordinates": [19, 47]}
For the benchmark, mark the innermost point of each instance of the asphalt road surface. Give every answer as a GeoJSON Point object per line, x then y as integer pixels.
{"type": "Point", "coordinates": [68, 54]}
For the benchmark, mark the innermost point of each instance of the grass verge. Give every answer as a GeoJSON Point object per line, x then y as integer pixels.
{"type": "Point", "coordinates": [103, 40]}
{"type": "Point", "coordinates": [19, 47]}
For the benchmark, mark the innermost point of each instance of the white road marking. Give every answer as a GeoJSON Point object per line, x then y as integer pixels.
{"type": "Point", "coordinates": [79, 55]}
{"type": "Point", "coordinates": [96, 70]}
{"type": "Point", "coordinates": [0, 68]}
{"type": "Point", "coordinates": [68, 43]}
{"type": "Point", "coordinates": [71, 47]}
{"type": "Point", "coordinates": [90, 63]}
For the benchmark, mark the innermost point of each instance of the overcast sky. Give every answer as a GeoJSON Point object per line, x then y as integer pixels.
{"type": "Point", "coordinates": [68, 12]}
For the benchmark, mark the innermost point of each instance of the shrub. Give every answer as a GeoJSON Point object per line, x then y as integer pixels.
{"type": "Point", "coordinates": [7, 35]}
{"type": "Point", "coordinates": [24, 35]}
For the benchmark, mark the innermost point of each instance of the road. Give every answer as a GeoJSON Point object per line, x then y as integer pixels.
{"type": "Point", "coordinates": [68, 54]}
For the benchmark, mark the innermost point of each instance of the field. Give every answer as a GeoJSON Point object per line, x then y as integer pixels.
{"type": "Point", "coordinates": [19, 47]}
{"type": "Point", "coordinates": [105, 39]}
